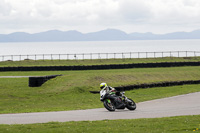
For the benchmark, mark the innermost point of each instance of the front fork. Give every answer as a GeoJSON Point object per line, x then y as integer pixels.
{"type": "Point", "coordinates": [108, 100]}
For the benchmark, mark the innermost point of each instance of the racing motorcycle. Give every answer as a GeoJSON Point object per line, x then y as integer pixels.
{"type": "Point", "coordinates": [117, 102]}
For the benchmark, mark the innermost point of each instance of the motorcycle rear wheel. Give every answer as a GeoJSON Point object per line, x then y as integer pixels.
{"type": "Point", "coordinates": [109, 106]}
{"type": "Point", "coordinates": [131, 105]}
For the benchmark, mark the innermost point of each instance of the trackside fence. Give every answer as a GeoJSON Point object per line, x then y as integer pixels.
{"type": "Point", "coordinates": [91, 56]}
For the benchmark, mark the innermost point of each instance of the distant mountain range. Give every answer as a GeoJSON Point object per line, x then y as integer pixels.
{"type": "Point", "coordinates": [104, 35]}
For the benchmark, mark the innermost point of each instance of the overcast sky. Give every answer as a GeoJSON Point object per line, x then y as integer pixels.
{"type": "Point", "coordinates": [157, 16]}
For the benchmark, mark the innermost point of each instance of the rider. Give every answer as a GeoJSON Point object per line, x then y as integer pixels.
{"type": "Point", "coordinates": [109, 90]}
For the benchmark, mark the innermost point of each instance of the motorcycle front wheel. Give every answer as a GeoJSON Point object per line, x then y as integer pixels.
{"type": "Point", "coordinates": [108, 105]}
{"type": "Point", "coordinates": [131, 105]}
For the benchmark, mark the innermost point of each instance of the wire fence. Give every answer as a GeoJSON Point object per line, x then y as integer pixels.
{"type": "Point", "coordinates": [91, 56]}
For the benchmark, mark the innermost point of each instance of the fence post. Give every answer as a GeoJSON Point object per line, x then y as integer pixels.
{"type": "Point", "coordinates": [138, 54]}
{"type": "Point", "coordinates": [12, 57]}
{"type": "Point", "coordinates": [35, 57]}
{"type": "Point", "coordinates": [99, 56]}
{"type": "Point", "coordinates": [146, 55]}
{"type": "Point", "coordinates": [162, 54]}
{"type": "Point", "coordinates": [91, 56]}
{"type": "Point", "coordinates": [51, 57]}
{"type": "Point", "coordinates": [186, 53]}
{"type": "Point", "coordinates": [154, 54]}
{"type": "Point", "coordinates": [20, 58]}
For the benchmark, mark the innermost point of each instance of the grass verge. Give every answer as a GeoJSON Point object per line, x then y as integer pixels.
{"type": "Point", "coordinates": [95, 61]}
{"type": "Point", "coordinates": [71, 91]}
{"type": "Point", "coordinates": [178, 124]}
{"type": "Point", "coordinates": [18, 97]}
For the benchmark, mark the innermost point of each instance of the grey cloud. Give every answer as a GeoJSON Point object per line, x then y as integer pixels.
{"type": "Point", "coordinates": [134, 11]}
{"type": "Point", "coordinates": [44, 10]}
{"type": "Point", "coordinates": [123, 12]}
{"type": "Point", "coordinates": [98, 14]}
{"type": "Point", "coordinates": [5, 8]}
{"type": "Point", "coordinates": [176, 12]}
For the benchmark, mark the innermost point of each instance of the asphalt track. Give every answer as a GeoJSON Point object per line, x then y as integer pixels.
{"type": "Point", "coordinates": [173, 106]}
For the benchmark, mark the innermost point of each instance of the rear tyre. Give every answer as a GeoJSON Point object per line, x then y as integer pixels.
{"type": "Point", "coordinates": [109, 106]}
{"type": "Point", "coordinates": [130, 104]}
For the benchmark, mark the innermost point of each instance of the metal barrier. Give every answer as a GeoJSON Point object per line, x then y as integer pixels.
{"type": "Point", "coordinates": [83, 56]}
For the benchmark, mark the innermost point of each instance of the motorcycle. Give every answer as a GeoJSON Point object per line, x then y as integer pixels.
{"type": "Point", "coordinates": [117, 102]}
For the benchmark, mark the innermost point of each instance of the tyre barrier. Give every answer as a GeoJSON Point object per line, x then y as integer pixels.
{"type": "Point", "coordinates": [152, 85]}
{"type": "Point", "coordinates": [38, 81]}
{"type": "Point", "coordinates": [100, 67]}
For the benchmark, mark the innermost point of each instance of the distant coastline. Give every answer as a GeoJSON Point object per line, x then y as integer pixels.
{"type": "Point", "coordinates": [104, 35]}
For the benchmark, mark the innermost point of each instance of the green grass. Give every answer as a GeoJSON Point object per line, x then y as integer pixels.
{"type": "Point", "coordinates": [95, 61]}
{"type": "Point", "coordinates": [66, 92]}
{"type": "Point", "coordinates": [71, 92]}
{"type": "Point", "coordinates": [178, 124]}
{"type": "Point", "coordinates": [117, 77]}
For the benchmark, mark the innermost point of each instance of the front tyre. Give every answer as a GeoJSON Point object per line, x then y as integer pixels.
{"type": "Point", "coordinates": [130, 104]}
{"type": "Point", "coordinates": [108, 105]}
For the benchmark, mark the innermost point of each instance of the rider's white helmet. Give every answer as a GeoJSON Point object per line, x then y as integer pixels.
{"type": "Point", "coordinates": [103, 85]}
